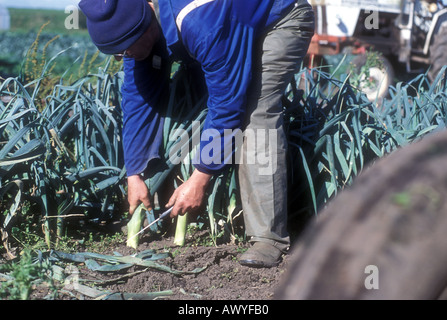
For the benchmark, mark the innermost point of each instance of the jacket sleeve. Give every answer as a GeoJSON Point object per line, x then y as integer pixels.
{"type": "Point", "coordinates": [142, 118]}
{"type": "Point", "coordinates": [225, 52]}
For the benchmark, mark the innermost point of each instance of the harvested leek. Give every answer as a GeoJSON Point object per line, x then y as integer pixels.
{"type": "Point", "coordinates": [180, 230]}
{"type": "Point", "coordinates": [134, 226]}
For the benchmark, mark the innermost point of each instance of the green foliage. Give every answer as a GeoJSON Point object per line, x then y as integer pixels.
{"type": "Point", "coordinates": [36, 34]}
{"type": "Point", "coordinates": [41, 74]}
{"type": "Point", "coordinates": [334, 133]}
{"type": "Point", "coordinates": [56, 269]}
{"type": "Point", "coordinates": [66, 157]}
{"type": "Point", "coordinates": [20, 277]}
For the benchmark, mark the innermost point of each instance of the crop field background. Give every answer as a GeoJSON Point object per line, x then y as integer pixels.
{"type": "Point", "coordinates": [54, 38]}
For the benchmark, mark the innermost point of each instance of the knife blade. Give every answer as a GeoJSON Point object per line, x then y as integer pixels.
{"type": "Point", "coordinates": [161, 217]}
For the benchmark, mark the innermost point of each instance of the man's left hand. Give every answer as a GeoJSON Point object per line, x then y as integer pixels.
{"type": "Point", "coordinates": [189, 196]}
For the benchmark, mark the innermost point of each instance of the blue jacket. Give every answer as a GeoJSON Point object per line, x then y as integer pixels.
{"type": "Point", "coordinates": [221, 36]}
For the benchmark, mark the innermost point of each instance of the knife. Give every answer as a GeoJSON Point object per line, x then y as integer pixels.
{"type": "Point", "coordinates": [161, 217]}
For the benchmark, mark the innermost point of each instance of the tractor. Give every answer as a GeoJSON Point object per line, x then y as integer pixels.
{"type": "Point", "coordinates": [409, 35]}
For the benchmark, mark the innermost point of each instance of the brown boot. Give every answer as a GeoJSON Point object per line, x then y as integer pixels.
{"type": "Point", "coordinates": [261, 255]}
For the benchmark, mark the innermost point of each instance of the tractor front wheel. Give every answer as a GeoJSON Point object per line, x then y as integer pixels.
{"type": "Point", "coordinates": [374, 75]}
{"type": "Point", "coordinates": [438, 53]}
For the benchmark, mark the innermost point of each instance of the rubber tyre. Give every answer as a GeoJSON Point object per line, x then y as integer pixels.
{"type": "Point", "coordinates": [438, 53]}
{"type": "Point", "coordinates": [380, 78]}
{"type": "Point", "coordinates": [393, 217]}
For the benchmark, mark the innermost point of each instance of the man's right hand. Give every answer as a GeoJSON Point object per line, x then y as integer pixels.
{"type": "Point", "coordinates": [137, 192]}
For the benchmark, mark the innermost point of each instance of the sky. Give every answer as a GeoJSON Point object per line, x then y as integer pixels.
{"type": "Point", "coordinates": [46, 4]}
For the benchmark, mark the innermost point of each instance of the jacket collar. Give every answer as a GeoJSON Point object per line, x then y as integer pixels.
{"type": "Point", "coordinates": [166, 15]}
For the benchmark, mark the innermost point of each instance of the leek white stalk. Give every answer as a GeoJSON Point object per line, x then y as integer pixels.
{"type": "Point", "coordinates": [180, 230]}
{"type": "Point", "coordinates": [134, 226]}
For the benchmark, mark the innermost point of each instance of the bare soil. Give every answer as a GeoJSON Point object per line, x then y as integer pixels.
{"type": "Point", "coordinates": [222, 279]}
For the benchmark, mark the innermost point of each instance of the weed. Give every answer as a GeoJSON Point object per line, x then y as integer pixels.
{"type": "Point", "coordinates": [22, 275]}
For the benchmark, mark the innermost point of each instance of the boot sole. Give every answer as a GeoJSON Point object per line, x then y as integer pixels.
{"type": "Point", "coordinates": [258, 264]}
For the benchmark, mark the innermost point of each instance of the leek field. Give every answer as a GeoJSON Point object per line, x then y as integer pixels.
{"type": "Point", "coordinates": [61, 162]}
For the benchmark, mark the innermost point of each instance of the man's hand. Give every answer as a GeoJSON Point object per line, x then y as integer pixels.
{"type": "Point", "coordinates": [137, 193]}
{"type": "Point", "coordinates": [190, 195]}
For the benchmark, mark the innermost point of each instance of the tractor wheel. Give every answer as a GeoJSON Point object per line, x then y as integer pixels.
{"type": "Point", "coordinates": [438, 53]}
{"type": "Point", "coordinates": [375, 75]}
{"type": "Point", "coordinates": [382, 238]}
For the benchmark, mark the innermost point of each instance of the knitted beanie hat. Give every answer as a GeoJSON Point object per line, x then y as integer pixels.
{"type": "Point", "coordinates": [114, 25]}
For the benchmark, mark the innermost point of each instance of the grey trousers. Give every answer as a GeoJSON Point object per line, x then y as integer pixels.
{"type": "Point", "coordinates": [262, 172]}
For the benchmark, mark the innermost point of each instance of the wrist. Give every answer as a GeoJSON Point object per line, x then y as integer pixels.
{"type": "Point", "coordinates": [201, 178]}
{"type": "Point", "coordinates": [134, 177]}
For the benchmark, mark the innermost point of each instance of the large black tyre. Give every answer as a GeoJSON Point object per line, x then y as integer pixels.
{"type": "Point", "coordinates": [438, 52]}
{"type": "Point", "coordinates": [393, 218]}
{"type": "Point", "coordinates": [380, 76]}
